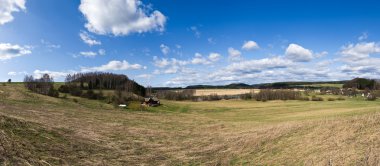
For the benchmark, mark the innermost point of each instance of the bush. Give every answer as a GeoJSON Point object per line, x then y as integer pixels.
{"type": "Point", "coordinates": [341, 98]}
{"type": "Point", "coordinates": [277, 95]}
{"type": "Point", "coordinates": [75, 100]}
{"type": "Point", "coordinates": [64, 89]}
{"type": "Point", "coordinates": [53, 93]}
{"type": "Point", "coordinates": [90, 94]}
{"type": "Point", "coordinates": [75, 90]}
{"type": "Point", "coordinates": [4, 84]}
{"type": "Point", "coordinates": [304, 98]}
{"type": "Point", "coordinates": [315, 98]}
{"type": "Point", "coordinates": [330, 99]}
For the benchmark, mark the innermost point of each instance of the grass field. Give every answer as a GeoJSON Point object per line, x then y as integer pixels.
{"type": "Point", "coordinates": [39, 130]}
{"type": "Point", "coordinates": [221, 92]}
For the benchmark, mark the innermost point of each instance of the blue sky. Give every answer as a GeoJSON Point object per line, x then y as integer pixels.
{"type": "Point", "coordinates": [179, 43]}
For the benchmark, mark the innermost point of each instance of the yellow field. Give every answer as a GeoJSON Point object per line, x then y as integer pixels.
{"type": "Point", "coordinates": [221, 92]}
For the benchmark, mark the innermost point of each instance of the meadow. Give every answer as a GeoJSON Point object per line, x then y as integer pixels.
{"type": "Point", "coordinates": [41, 130]}
{"type": "Point", "coordinates": [221, 92]}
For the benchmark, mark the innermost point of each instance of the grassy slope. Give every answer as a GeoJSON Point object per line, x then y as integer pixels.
{"type": "Point", "coordinates": [60, 131]}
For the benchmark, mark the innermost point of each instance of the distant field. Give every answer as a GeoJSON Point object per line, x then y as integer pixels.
{"type": "Point", "coordinates": [206, 92]}
{"type": "Point", "coordinates": [40, 130]}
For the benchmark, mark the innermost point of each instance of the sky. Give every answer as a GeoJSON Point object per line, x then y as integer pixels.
{"type": "Point", "coordinates": [177, 43]}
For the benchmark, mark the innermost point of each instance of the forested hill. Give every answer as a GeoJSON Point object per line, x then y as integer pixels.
{"type": "Point", "coordinates": [275, 85]}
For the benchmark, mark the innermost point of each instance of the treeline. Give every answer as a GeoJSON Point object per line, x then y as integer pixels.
{"type": "Point", "coordinates": [43, 85]}
{"type": "Point", "coordinates": [102, 81]}
{"type": "Point", "coordinates": [91, 85]}
{"type": "Point", "coordinates": [263, 95]}
{"type": "Point", "coordinates": [362, 84]}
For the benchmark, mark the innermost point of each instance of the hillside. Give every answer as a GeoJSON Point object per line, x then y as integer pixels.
{"type": "Point", "coordinates": [57, 131]}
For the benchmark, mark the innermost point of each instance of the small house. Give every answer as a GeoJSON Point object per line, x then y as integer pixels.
{"type": "Point", "coordinates": [151, 101]}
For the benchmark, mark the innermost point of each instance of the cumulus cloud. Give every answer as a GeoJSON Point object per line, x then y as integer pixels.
{"type": "Point", "coordinates": [7, 7]}
{"type": "Point", "coordinates": [250, 45]}
{"type": "Point", "coordinates": [250, 66]}
{"type": "Point", "coordinates": [360, 50]}
{"type": "Point", "coordinates": [121, 17]}
{"type": "Point", "coordinates": [200, 60]}
{"type": "Point", "coordinates": [164, 49]}
{"type": "Point", "coordinates": [88, 39]}
{"type": "Point", "coordinates": [114, 66]}
{"type": "Point", "coordinates": [54, 74]}
{"type": "Point", "coordinates": [297, 53]}
{"type": "Point", "coordinates": [214, 57]}
{"type": "Point", "coordinates": [234, 54]}
{"type": "Point", "coordinates": [9, 51]}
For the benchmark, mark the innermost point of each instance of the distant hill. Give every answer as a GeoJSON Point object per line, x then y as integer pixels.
{"type": "Point", "coordinates": [276, 85]}
{"type": "Point", "coordinates": [229, 86]}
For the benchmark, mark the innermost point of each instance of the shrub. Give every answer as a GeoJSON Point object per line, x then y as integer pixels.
{"type": "Point", "coordinates": [53, 93]}
{"type": "Point", "coordinates": [75, 100]}
{"type": "Point", "coordinates": [4, 84]}
{"type": "Point", "coordinates": [75, 90]}
{"type": "Point", "coordinates": [90, 94]}
{"type": "Point", "coordinates": [277, 95]}
{"type": "Point", "coordinates": [315, 98]}
{"type": "Point", "coordinates": [304, 98]}
{"type": "Point", "coordinates": [341, 98]}
{"type": "Point", "coordinates": [330, 99]}
{"type": "Point", "coordinates": [64, 89]}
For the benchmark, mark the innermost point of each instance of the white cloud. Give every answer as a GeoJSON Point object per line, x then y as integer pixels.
{"type": "Point", "coordinates": [214, 57]}
{"type": "Point", "coordinates": [196, 32]}
{"type": "Point", "coordinates": [360, 50]}
{"type": "Point", "coordinates": [13, 73]}
{"type": "Point", "coordinates": [164, 49]}
{"type": "Point", "coordinates": [161, 63]}
{"type": "Point", "coordinates": [114, 66]}
{"type": "Point", "coordinates": [50, 45]}
{"type": "Point", "coordinates": [250, 45]}
{"type": "Point", "coordinates": [211, 40]}
{"type": "Point", "coordinates": [91, 54]}
{"type": "Point", "coordinates": [200, 60]}
{"type": "Point", "coordinates": [234, 54]}
{"type": "Point", "coordinates": [88, 54]}
{"type": "Point", "coordinates": [88, 39]}
{"type": "Point", "coordinates": [54, 74]}
{"type": "Point", "coordinates": [363, 36]}
{"type": "Point", "coordinates": [297, 53]}
{"type": "Point", "coordinates": [102, 52]}
{"type": "Point", "coordinates": [120, 17]}
{"type": "Point", "coordinates": [258, 65]}
{"type": "Point", "coordinates": [9, 51]}
{"type": "Point", "coordinates": [7, 7]}
{"type": "Point", "coordinates": [321, 54]}
{"type": "Point", "coordinates": [145, 76]}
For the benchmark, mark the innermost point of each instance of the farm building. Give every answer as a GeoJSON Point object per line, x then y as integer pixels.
{"type": "Point", "coordinates": [151, 101]}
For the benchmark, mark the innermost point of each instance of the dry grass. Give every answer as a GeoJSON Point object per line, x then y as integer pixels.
{"type": "Point", "coordinates": [60, 131]}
